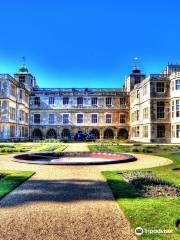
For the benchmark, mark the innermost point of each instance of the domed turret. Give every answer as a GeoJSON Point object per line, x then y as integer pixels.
{"type": "Point", "coordinates": [24, 77]}
{"type": "Point", "coordinates": [136, 70]}
{"type": "Point", "coordinates": [23, 69]}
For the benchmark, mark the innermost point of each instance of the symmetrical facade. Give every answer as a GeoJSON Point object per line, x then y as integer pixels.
{"type": "Point", "coordinates": [146, 109]}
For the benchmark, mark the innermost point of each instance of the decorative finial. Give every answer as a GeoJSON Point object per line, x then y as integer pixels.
{"type": "Point", "coordinates": [136, 59]}
{"type": "Point", "coordinates": [136, 68]}
{"type": "Point", "coordinates": [23, 69]}
{"type": "Point", "coordinates": [24, 60]}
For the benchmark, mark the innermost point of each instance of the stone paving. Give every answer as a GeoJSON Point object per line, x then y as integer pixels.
{"type": "Point", "coordinates": [66, 202]}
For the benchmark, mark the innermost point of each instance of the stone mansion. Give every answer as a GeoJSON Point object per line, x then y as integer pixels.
{"type": "Point", "coordinates": [146, 109]}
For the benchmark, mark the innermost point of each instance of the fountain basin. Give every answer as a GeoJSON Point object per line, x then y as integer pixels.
{"type": "Point", "coordinates": [73, 158]}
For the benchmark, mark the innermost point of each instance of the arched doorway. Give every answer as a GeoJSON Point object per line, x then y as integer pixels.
{"type": "Point", "coordinates": [51, 133]}
{"type": "Point", "coordinates": [108, 133]}
{"type": "Point", "coordinates": [37, 134]}
{"type": "Point", "coordinates": [95, 132]}
{"type": "Point", "coordinates": [79, 136]}
{"type": "Point", "coordinates": [65, 134]}
{"type": "Point", "coordinates": [123, 133]}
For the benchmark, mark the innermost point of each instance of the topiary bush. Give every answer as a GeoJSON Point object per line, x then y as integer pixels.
{"type": "Point", "coordinates": [135, 150]}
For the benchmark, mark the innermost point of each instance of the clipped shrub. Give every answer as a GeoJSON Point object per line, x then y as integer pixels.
{"type": "Point", "coordinates": [135, 150]}
{"type": "Point", "coordinates": [6, 146]}
{"type": "Point", "coordinates": [147, 150]}
{"type": "Point", "coordinates": [10, 150]}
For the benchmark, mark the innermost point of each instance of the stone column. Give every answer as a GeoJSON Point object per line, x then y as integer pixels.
{"type": "Point", "coordinates": [115, 133]}
{"type": "Point", "coordinates": [101, 133]}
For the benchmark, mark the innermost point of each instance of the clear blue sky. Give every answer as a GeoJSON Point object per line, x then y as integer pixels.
{"type": "Point", "coordinates": [91, 43]}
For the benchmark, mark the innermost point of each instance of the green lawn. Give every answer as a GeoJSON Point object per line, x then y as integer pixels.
{"type": "Point", "coordinates": [149, 213]}
{"type": "Point", "coordinates": [12, 179]}
{"type": "Point", "coordinates": [31, 147]}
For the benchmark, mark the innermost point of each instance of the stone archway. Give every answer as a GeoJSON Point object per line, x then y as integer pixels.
{"type": "Point", "coordinates": [108, 133]}
{"type": "Point", "coordinates": [51, 133]}
{"type": "Point", "coordinates": [65, 134]}
{"type": "Point", "coordinates": [95, 132]}
{"type": "Point", "coordinates": [123, 133]}
{"type": "Point", "coordinates": [37, 134]}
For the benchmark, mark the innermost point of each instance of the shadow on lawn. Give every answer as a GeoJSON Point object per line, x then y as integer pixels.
{"type": "Point", "coordinates": [63, 191]}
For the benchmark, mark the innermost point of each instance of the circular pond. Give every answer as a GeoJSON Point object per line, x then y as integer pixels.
{"type": "Point", "coordinates": [73, 158]}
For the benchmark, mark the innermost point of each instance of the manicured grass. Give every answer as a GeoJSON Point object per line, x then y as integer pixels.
{"type": "Point", "coordinates": [149, 213]}
{"type": "Point", "coordinates": [31, 146]}
{"type": "Point", "coordinates": [12, 179]}
{"type": "Point", "coordinates": [46, 147]}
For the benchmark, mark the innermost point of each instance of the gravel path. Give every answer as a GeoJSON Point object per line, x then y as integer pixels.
{"type": "Point", "coordinates": [66, 202]}
{"type": "Point", "coordinates": [81, 147]}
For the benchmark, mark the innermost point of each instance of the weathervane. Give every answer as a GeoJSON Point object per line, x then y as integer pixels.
{"type": "Point", "coordinates": [136, 60]}
{"type": "Point", "coordinates": [24, 60]}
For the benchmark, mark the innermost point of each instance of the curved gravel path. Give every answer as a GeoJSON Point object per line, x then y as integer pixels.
{"type": "Point", "coordinates": [66, 202]}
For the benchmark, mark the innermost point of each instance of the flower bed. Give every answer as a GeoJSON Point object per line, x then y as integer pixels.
{"type": "Point", "coordinates": [148, 185]}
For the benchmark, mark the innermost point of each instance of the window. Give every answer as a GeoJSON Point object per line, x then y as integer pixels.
{"type": "Point", "coordinates": [22, 132]}
{"type": "Point", "coordinates": [145, 88]}
{"type": "Point", "coordinates": [22, 79]}
{"type": "Point", "coordinates": [79, 118]}
{"type": "Point", "coordinates": [65, 118]}
{"type": "Point", "coordinates": [145, 113]}
{"type": "Point", "coordinates": [80, 101]}
{"type": "Point", "coordinates": [37, 101]}
{"type": "Point", "coordinates": [94, 118]}
{"type": "Point", "coordinates": [137, 94]}
{"type": "Point", "coordinates": [51, 100]}
{"type": "Point", "coordinates": [122, 101]}
{"type": "Point", "coordinates": [160, 109]}
{"type": "Point", "coordinates": [177, 108]}
{"type": "Point", "coordinates": [12, 113]}
{"type": "Point", "coordinates": [159, 87]}
{"type": "Point", "coordinates": [145, 131]}
{"type": "Point", "coordinates": [20, 94]}
{"type": "Point", "coordinates": [21, 115]}
{"type": "Point", "coordinates": [122, 118]}
{"type": "Point", "coordinates": [172, 103]}
{"type": "Point", "coordinates": [37, 118]}
{"type": "Point", "coordinates": [26, 132]}
{"type": "Point", "coordinates": [137, 79]}
{"type": "Point", "coordinates": [177, 84]}
{"type": "Point", "coordinates": [94, 101]}
{"type": "Point", "coordinates": [12, 131]}
{"type": "Point", "coordinates": [51, 118]}
{"type": "Point", "coordinates": [26, 117]}
{"type": "Point", "coordinates": [13, 90]}
{"type": "Point", "coordinates": [108, 118]}
{"type": "Point", "coordinates": [178, 131]}
{"type": "Point", "coordinates": [160, 131]}
{"type": "Point", "coordinates": [65, 100]}
{"type": "Point", "coordinates": [108, 102]}
{"type": "Point", "coordinates": [26, 98]}
{"type": "Point", "coordinates": [136, 131]}
{"type": "Point", "coordinates": [137, 115]}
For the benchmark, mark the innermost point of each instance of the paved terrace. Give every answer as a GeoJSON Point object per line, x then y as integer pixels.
{"type": "Point", "coordinates": [66, 202]}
